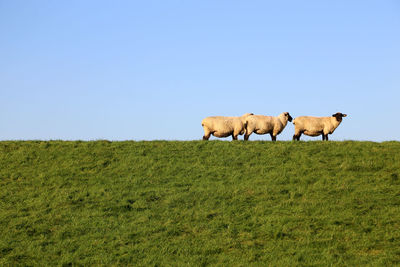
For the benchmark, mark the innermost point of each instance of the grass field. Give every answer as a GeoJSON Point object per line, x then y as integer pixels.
{"type": "Point", "coordinates": [198, 203]}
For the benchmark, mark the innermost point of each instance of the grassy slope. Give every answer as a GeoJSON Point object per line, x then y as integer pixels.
{"type": "Point", "coordinates": [199, 203]}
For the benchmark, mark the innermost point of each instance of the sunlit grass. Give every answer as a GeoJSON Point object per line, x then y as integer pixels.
{"type": "Point", "coordinates": [199, 203]}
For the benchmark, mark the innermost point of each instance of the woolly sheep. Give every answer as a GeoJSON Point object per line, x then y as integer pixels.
{"type": "Point", "coordinates": [220, 126]}
{"type": "Point", "coordinates": [261, 124]}
{"type": "Point", "coordinates": [314, 126]}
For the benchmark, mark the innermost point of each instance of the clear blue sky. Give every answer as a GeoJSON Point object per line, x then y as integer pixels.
{"type": "Point", "coordinates": [146, 70]}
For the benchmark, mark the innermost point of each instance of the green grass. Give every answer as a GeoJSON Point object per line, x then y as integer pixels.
{"type": "Point", "coordinates": [199, 203]}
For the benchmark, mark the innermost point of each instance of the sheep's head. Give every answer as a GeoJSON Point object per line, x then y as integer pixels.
{"type": "Point", "coordinates": [288, 116]}
{"type": "Point", "coordinates": [339, 116]}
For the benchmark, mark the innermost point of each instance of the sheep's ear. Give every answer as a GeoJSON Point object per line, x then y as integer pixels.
{"type": "Point", "coordinates": [344, 115]}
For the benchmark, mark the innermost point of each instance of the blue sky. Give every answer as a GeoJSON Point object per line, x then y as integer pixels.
{"type": "Point", "coordinates": [147, 70]}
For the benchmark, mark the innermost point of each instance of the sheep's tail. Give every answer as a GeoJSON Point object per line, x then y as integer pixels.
{"type": "Point", "coordinates": [294, 121]}
{"type": "Point", "coordinates": [246, 124]}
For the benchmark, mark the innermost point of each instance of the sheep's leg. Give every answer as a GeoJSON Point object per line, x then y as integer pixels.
{"type": "Point", "coordinates": [323, 137]}
{"type": "Point", "coordinates": [246, 136]}
{"type": "Point", "coordinates": [234, 137]}
{"type": "Point", "coordinates": [296, 137]}
{"type": "Point", "coordinates": [326, 137]}
{"type": "Point", "coordinates": [297, 134]}
{"type": "Point", "coordinates": [207, 134]}
{"type": "Point", "coordinates": [273, 137]}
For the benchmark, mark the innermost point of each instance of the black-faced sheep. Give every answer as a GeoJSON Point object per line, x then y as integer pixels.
{"type": "Point", "coordinates": [261, 124]}
{"type": "Point", "coordinates": [220, 126]}
{"type": "Point", "coordinates": [314, 126]}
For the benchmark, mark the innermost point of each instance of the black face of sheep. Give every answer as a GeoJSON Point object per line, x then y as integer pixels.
{"type": "Point", "coordinates": [339, 116]}
{"type": "Point", "coordinates": [289, 117]}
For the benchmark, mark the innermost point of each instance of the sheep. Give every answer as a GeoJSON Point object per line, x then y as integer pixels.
{"type": "Point", "coordinates": [261, 124]}
{"type": "Point", "coordinates": [314, 126]}
{"type": "Point", "coordinates": [220, 126]}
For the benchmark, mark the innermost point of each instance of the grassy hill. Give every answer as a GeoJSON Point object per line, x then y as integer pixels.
{"type": "Point", "coordinates": [199, 203]}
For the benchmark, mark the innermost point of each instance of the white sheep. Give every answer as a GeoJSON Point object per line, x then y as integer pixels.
{"type": "Point", "coordinates": [261, 124]}
{"type": "Point", "coordinates": [220, 126]}
{"type": "Point", "coordinates": [314, 126]}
